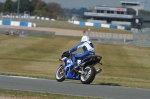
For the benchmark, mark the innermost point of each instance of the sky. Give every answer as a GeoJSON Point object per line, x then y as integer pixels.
{"type": "Point", "coordinates": [91, 3]}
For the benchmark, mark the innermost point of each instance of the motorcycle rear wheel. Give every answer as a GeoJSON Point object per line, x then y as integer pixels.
{"type": "Point", "coordinates": [60, 76]}
{"type": "Point", "coordinates": [89, 75]}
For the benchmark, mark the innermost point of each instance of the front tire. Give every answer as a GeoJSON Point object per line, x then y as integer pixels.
{"type": "Point", "coordinates": [60, 74]}
{"type": "Point", "coordinates": [89, 75]}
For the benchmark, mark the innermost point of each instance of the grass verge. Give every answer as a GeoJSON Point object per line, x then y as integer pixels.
{"type": "Point", "coordinates": [38, 57]}
{"type": "Point", "coordinates": [13, 94]}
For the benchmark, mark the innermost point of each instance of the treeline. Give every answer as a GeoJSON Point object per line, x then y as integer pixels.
{"type": "Point", "coordinates": [145, 12]}
{"type": "Point", "coordinates": [39, 8]}
{"type": "Point", "coordinates": [79, 11]}
{"type": "Point", "coordinates": [34, 7]}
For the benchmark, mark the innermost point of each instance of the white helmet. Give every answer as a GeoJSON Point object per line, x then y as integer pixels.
{"type": "Point", "coordinates": [85, 38]}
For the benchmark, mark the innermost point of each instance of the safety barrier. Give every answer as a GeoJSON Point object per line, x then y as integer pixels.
{"type": "Point", "coordinates": [143, 30]}
{"type": "Point", "coordinates": [136, 38]}
{"type": "Point", "coordinates": [6, 22]}
{"type": "Point", "coordinates": [23, 17]}
{"type": "Point", "coordinates": [17, 23]}
{"type": "Point", "coordinates": [28, 17]}
{"type": "Point", "coordinates": [45, 18]}
{"type": "Point", "coordinates": [101, 25]}
{"type": "Point", "coordinates": [25, 32]}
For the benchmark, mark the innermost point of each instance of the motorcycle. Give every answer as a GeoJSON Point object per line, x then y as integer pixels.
{"type": "Point", "coordinates": [84, 71]}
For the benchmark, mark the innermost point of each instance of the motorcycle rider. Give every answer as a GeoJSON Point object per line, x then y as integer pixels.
{"type": "Point", "coordinates": [88, 49]}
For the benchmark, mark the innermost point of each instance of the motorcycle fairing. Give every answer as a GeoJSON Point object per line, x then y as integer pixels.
{"type": "Point", "coordinates": [70, 76]}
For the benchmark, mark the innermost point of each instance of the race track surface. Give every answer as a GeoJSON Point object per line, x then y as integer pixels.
{"type": "Point", "coordinates": [63, 32]}
{"type": "Point", "coordinates": [75, 89]}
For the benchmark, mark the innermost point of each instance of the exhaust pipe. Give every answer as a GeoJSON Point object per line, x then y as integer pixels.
{"type": "Point", "coordinates": [98, 70]}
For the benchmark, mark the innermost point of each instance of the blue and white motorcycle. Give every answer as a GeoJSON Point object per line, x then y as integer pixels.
{"type": "Point", "coordinates": [85, 71]}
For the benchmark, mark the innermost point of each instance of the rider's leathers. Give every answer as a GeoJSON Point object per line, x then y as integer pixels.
{"type": "Point", "coordinates": [88, 49]}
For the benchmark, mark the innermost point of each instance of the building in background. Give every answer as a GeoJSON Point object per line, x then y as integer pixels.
{"type": "Point", "coordinates": [132, 4]}
{"type": "Point", "coordinates": [127, 14]}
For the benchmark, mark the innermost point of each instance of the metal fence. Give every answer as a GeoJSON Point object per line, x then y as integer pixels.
{"type": "Point", "coordinates": [141, 37]}
{"type": "Point", "coordinates": [115, 38]}
{"type": "Point", "coordinates": [138, 37]}
{"type": "Point", "coordinates": [24, 32]}
{"type": "Point", "coordinates": [143, 34]}
{"type": "Point", "coordinates": [111, 36]}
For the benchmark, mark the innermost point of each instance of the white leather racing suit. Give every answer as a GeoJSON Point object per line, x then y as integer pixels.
{"type": "Point", "coordinates": [88, 49]}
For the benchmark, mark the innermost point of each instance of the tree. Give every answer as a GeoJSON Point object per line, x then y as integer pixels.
{"type": "Point", "coordinates": [54, 9]}
{"type": "Point", "coordinates": [14, 6]}
{"type": "Point", "coordinates": [7, 6]}
{"type": "Point", "coordinates": [26, 5]}
{"type": "Point", "coordinates": [1, 7]}
{"type": "Point", "coordinates": [82, 10]}
{"type": "Point", "coordinates": [41, 6]}
{"type": "Point", "coordinates": [144, 12]}
{"type": "Point", "coordinates": [34, 3]}
{"type": "Point", "coordinates": [41, 9]}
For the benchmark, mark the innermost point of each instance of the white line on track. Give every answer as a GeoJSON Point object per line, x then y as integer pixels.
{"type": "Point", "coordinates": [24, 77]}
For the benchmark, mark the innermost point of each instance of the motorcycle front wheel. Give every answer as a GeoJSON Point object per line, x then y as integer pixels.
{"type": "Point", "coordinates": [88, 76]}
{"type": "Point", "coordinates": [60, 76]}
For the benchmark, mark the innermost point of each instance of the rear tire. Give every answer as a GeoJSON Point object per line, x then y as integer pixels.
{"type": "Point", "coordinates": [89, 75]}
{"type": "Point", "coordinates": [60, 76]}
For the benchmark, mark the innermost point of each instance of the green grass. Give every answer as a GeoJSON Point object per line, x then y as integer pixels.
{"type": "Point", "coordinates": [66, 25]}
{"type": "Point", "coordinates": [38, 57]}
{"type": "Point", "coordinates": [34, 95]}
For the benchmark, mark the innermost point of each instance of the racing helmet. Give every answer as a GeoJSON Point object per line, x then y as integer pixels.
{"type": "Point", "coordinates": [85, 38]}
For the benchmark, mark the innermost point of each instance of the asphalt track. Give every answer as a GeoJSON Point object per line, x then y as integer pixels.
{"type": "Point", "coordinates": [61, 32]}
{"type": "Point", "coordinates": [75, 89]}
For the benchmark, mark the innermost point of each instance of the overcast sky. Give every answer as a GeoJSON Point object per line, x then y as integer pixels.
{"type": "Point", "coordinates": [91, 3]}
